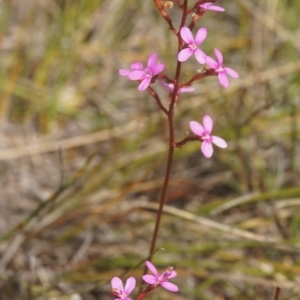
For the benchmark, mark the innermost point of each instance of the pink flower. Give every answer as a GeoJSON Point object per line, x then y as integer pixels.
{"type": "Point", "coordinates": [192, 44]}
{"type": "Point", "coordinates": [204, 132]}
{"type": "Point", "coordinates": [153, 68]}
{"type": "Point", "coordinates": [209, 6]}
{"type": "Point", "coordinates": [134, 67]}
{"type": "Point", "coordinates": [162, 279]}
{"type": "Point", "coordinates": [119, 291]}
{"type": "Point", "coordinates": [218, 66]}
{"type": "Point", "coordinates": [170, 87]}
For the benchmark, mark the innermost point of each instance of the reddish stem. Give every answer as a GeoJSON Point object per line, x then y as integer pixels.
{"type": "Point", "coordinates": [277, 293]}
{"type": "Point", "coordinates": [145, 292]}
{"type": "Point", "coordinates": [162, 11]}
{"type": "Point", "coordinates": [205, 73]}
{"type": "Point", "coordinates": [156, 97]}
{"type": "Point", "coordinates": [185, 140]}
{"type": "Point", "coordinates": [170, 116]}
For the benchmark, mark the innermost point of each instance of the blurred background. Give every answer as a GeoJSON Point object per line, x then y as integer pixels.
{"type": "Point", "coordinates": [83, 152]}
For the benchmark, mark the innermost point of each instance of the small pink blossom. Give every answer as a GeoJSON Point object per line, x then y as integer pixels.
{"type": "Point", "coordinates": [119, 291]}
{"type": "Point", "coordinates": [162, 279]}
{"type": "Point", "coordinates": [218, 67]}
{"type": "Point", "coordinates": [204, 132]}
{"type": "Point", "coordinates": [209, 6]}
{"type": "Point", "coordinates": [170, 87]}
{"type": "Point", "coordinates": [136, 66]}
{"type": "Point", "coordinates": [153, 68]}
{"type": "Point", "coordinates": [192, 44]}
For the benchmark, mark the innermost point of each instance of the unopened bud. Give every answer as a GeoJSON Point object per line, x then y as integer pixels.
{"type": "Point", "coordinates": [195, 17]}
{"type": "Point", "coordinates": [201, 70]}
{"type": "Point", "coordinates": [168, 4]}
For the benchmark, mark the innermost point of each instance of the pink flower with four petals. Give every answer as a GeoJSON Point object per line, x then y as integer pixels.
{"type": "Point", "coordinates": [153, 68]}
{"type": "Point", "coordinates": [119, 291]}
{"type": "Point", "coordinates": [204, 132]}
{"type": "Point", "coordinates": [222, 71]}
{"type": "Point", "coordinates": [162, 279]}
{"type": "Point", "coordinates": [192, 44]}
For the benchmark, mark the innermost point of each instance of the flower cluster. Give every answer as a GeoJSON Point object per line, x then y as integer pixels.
{"type": "Point", "coordinates": [154, 281]}
{"type": "Point", "coordinates": [192, 48]}
{"type": "Point", "coordinates": [190, 45]}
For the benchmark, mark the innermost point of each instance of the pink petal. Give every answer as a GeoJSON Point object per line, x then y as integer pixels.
{"type": "Point", "coordinates": [151, 267]}
{"type": "Point", "coordinates": [208, 123]}
{"type": "Point", "coordinates": [219, 56]}
{"type": "Point", "coordinates": [207, 149]}
{"type": "Point", "coordinates": [136, 75]}
{"type": "Point", "coordinates": [152, 61]}
{"type": "Point", "coordinates": [185, 54]}
{"type": "Point", "coordinates": [136, 66]}
{"type": "Point", "coordinates": [170, 286]}
{"type": "Point", "coordinates": [186, 89]}
{"type": "Point", "coordinates": [219, 141]}
{"type": "Point", "coordinates": [187, 35]}
{"type": "Point", "coordinates": [197, 128]}
{"type": "Point", "coordinates": [211, 62]}
{"type": "Point", "coordinates": [173, 274]}
{"type": "Point", "coordinates": [214, 7]}
{"type": "Point", "coordinates": [130, 285]}
{"type": "Point", "coordinates": [144, 84]}
{"type": "Point", "coordinates": [157, 69]}
{"type": "Point", "coordinates": [200, 56]}
{"type": "Point", "coordinates": [169, 86]}
{"type": "Point", "coordinates": [200, 36]}
{"type": "Point", "coordinates": [231, 72]}
{"type": "Point", "coordinates": [124, 72]}
{"type": "Point", "coordinates": [223, 79]}
{"type": "Point", "coordinates": [205, 5]}
{"type": "Point", "coordinates": [150, 279]}
{"type": "Point", "coordinates": [116, 283]}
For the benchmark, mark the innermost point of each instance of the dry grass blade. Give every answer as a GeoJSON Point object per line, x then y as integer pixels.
{"type": "Point", "coordinates": [78, 141]}
{"type": "Point", "coordinates": [218, 226]}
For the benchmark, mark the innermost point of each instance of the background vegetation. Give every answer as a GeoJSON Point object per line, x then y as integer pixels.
{"type": "Point", "coordinates": [82, 153]}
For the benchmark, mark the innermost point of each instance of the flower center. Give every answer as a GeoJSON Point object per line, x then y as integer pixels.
{"type": "Point", "coordinates": [193, 46]}
{"type": "Point", "coordinates": [220, 69]}
{"type": "Point", "coordinates": [165, 275]}
{"type": "Point", "coordinates": [206, 137]}
{"type": "Point", "coordinates": [118, 293]}
{"type": "Point", "coordinates": [123, 295]}
{"type": "Point", "coordinates": [148, 73]}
